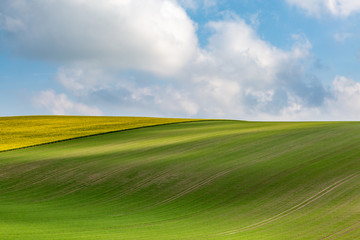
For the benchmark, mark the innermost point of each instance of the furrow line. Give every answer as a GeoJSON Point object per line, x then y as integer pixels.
{"type": "Point", "coordinates": [294, 208]}
{"type": "Point", "coordinates": [192, 188]}
{"type": "Point", "coordinates": [180, 194]}
{"type": "Point", "coordinates": [343, 231]}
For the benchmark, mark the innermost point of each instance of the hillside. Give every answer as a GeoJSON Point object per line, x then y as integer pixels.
{"type": "Point", "coordinates": [195, 180]}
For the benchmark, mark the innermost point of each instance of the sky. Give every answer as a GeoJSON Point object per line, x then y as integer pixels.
{"type": "Point", "coordinates": [282, 60]}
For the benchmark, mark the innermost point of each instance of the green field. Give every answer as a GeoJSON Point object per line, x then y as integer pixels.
{"type": "Point", "coordinates": [195, 180]}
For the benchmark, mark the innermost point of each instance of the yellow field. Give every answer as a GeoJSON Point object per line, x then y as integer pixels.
{"type": "Point", "coordinates": [17, 132]}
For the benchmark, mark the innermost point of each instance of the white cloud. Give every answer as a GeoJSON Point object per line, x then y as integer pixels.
{"type": "Point", "coordinates": [128, 95]}
{"type": "Point", "coordinates": [163, 100]}
{"type": "Point", "coordinates": [159, 100]}
{"type": "Point", "coordinates": [80, 80]}
{"type": "Point", "coordinates": [152, 35]}
{"type": "Point", "coordinates": [254, 19]}
{"type": "Point", "coordinates": [209, 3]}
{"type": "Point", "coordinates": [342, 104]}
{"type": "Point", "coordinates": [196, 4]}
{"type": "Point", "coordinates": [60, 104]}
{"type": "Point", "coordinates": [238, 75]}
{"type": "Point", "coordinates": [10, 24]}
{"type": "Point", "coordinates": [339, 8]}
{"type": "Point", "coordinates": [236, 42]}
{"type": "Point", "coordinates": [342, 37]}
{"type": "Point", "coordinates": [345, 105]}
{"type": "Point", "coordinates": [189, 4]}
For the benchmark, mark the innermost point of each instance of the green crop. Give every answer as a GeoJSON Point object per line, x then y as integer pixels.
{"type": "Point", "coordinates": [195, 180]}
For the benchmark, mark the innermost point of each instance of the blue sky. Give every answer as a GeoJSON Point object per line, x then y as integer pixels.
{"type": "Point", "coordinates": [253, 60]}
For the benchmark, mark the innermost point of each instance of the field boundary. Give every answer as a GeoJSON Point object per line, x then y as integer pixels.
{"type": "Point", "coordinates": [104, 133]}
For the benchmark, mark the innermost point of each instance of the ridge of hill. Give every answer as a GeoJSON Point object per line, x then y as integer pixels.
{"type": "Point", "coordinates": [26, 131]}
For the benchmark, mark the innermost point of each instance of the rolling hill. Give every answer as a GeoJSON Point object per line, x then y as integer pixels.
{"type": "Point", "coordinates": [217, 179]}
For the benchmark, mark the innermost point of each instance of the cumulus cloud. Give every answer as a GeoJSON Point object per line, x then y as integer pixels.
{"type": "Point", "coordinates": [240, 75]}
{"type": "Point", "coordinates": [339, 8]}
{"type": "Point", "coordinates": [153, 35]}
{"type": "Point", "coordinates": [237, 75]}
{"type": "Point", "coordinates": [60, 104]}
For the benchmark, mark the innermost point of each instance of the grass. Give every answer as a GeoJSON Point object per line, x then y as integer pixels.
{"type": "Point", "coordinates": [18, 132]}
{"type": "Point", "coordinates": [194, 180]}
